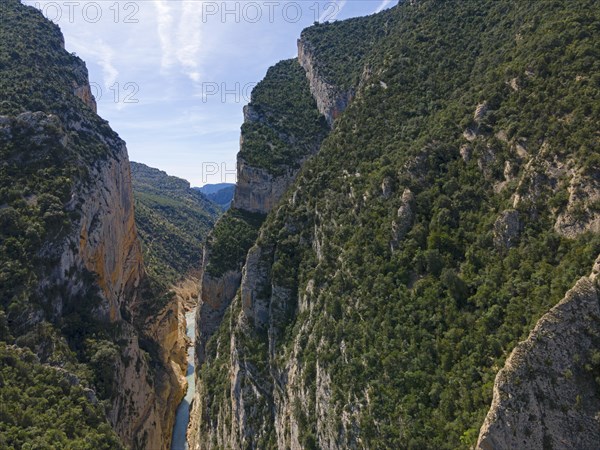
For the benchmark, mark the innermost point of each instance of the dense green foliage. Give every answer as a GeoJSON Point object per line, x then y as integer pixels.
{"type": "Point", "coordinates": [173, 221]}
{"type": "Point", "coordinates": [288, 126]}
{"type": "Point", "coordinates": [231, 239]}
{"type": "Point", "coordinates": [341, 48]}
{"type": "Point", "coordinates": [412, 338]}
{"type": "Point", "coordinates": [46, 408]}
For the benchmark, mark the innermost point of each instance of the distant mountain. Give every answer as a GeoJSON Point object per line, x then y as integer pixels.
{"type": "Point", "coordinates": [220, 193]}
{"type": "Point", "coordinates": [172, 220]}
{"type": "Point", "coordinates": [214, 188]}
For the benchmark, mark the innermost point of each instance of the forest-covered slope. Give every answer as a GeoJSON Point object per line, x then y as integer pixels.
{"type": "Point", "coordinates": [78, 368]}
{"type": "Point", "coordinates": [455, 201]}
{"type": "Point", "coordinates": [173, 220]}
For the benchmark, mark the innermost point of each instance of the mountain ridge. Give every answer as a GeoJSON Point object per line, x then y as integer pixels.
{"type": "Point", "coordinates": [433, 245]}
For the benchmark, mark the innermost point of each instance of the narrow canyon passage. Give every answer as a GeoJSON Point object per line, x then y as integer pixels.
{"type": "Point", "coordinates": [183, 411]}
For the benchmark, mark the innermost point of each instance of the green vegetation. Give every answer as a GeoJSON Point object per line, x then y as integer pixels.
{"type": "Point", "coordinates": [44, 407]}
{"type": "Point", "coordinates": [413, 338]}
{"type": "Point", "coordinates": [288, 127]}
{"type": "Point", "coordinates": [44, 159]}
{"type": "Point", "coordinates": [173, 221]}
{"type": "Point", "coordinates": [341, 48]}
{"type": "Point", "coordinates": [231, 239]}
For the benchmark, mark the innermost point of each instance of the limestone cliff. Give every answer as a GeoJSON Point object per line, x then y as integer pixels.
{"type": "Point", "coordinates": [261, 181]}
{"type": "Point", "coordinates": [331, 99]}
{"type": "Point", "coordinates": [215, 296]}
{"type": "Point", "coordinates": [108, 244]}
{"type": "Point", "coordinates": [257, 190]}
{"type": "Point", "coordinates": [78, 272]}
{"type": "Point", "coordinates": [546, 395]}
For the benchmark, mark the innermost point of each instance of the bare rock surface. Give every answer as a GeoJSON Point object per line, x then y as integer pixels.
{"type": "Point", "coordinates": [331, 100]}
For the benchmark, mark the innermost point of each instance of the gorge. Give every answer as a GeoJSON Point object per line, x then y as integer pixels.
{"type": "Point", "coordinates": [410, 259]}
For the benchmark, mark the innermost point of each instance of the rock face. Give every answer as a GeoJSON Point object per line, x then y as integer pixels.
{"type": "Point", "coordinates": [405, 214]}
{"type": "Point", "coordinates": [580, 216]}
{"type": "Point", "coordinates": [546, 395]}
{"type": "Point", "coordinates": [507, 229]}
{"type": "Point", "coordinates": [257, 190]}
{"type": "Point", "coordinates": [216, 294]}
{"type": "Point", "coordinates": [331, 100]}
{"type": "Point", "coordinates": [108, 244]}
{"type": "Point", "coordinates": [168, 329]}
{"type": "Point", "coordinates": [91, 262]}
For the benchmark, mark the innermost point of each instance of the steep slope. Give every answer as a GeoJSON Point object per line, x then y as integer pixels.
{"type": "Point", "coordinates": [282, 116]}
{"type": "Point", "coordinates": [172, 220]}
{"type": "Point", "coordinates": [453, 204]}
{"type": "Point", "coordinates": [547, 393]}
{"type": "Point", "coordinates": [71, 270]}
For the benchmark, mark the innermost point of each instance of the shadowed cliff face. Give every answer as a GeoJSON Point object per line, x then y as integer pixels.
{"type": "Point", "coordinates": [108, 244]}
{"type": "Point", "coordinates": [331, 99]}
{"type": "Point", "coordinates": [546, 395]}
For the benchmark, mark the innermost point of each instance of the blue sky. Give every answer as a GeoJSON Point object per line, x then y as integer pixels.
{"type": "Point", "coordinates": [172, 76]}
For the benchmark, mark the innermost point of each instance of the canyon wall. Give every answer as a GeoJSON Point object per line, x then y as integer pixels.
{"type": "Point", "coordinates": [406, 258]}
{"type": "Point", "coordinates": [70, 183]}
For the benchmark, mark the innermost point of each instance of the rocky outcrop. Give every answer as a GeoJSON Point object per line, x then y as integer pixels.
{"type": "Point", "coordinates": [84, 92]}
{"type": "Point", "coordinates": [581, 213]}
{"type": "Point", "coordinates": [404, 221]}
{"type": "Point", "coordinates": [257, 190]}
{"type": "Point", "coordinates": [507, 229]}
{"type": "Point", "coordinates": [106, 245]}
{"type": "Point", "coordinates": [546, 395]}
{"type": "Point", "coordinates": [331, 100]}
{"type": "Point", "coordinates": [216, 294]}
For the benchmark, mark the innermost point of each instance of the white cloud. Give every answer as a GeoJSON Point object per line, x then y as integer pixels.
{"type": "Point", "coordinates": [105, 60]}
{"type": "Point", "coordinates": [189, 38]}
{"type": "Point", "coordinates": [164, 21]}
{"type": "Point", "coordinates": [179, 27]}
{"type": "Point", "coordinates": [101, 53]}
{"type": "Point", "coordinates": [384, 4]}
{"type": "Point", "coordinates": [332, 10]}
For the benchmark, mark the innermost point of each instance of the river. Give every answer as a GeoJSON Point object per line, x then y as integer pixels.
{"type": "Point", "coordinates": [182, 418]}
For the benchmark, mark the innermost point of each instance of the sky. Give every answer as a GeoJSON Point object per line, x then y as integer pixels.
{"type": "Point", "coordinates": [172, 76]}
